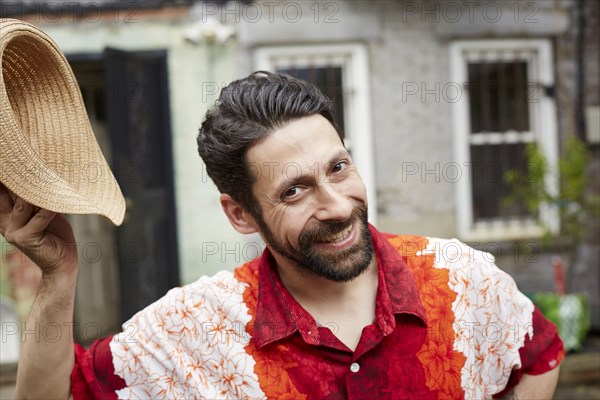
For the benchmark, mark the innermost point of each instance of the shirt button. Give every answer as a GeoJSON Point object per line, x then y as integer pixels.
{"type": "Point", "coordinates": [354, 367]}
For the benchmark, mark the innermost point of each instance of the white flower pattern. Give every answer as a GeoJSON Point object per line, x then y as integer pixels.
{"type": "Point", "coordinates": [492, 318]}
{"type": "Point", "coordinates": [189, 344]}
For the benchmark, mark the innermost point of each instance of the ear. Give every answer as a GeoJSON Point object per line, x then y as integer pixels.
{"type": "Point", "coordinates": [241, 220]}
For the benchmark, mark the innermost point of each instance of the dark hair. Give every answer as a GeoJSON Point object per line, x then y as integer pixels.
{"type": "Point", "coordinates": [247, 111]}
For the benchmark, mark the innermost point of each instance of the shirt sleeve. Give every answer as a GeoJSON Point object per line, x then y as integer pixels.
{"type": "Point", "coordinates": [540, 354]}
{"type": "Point", "coordinates": [545, 351]}
{"type": "Point", "coordinates": [93, 375]}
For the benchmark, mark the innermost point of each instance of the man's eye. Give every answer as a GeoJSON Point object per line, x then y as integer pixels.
{"type": "Point", "coordinates": [339, 166]}
{"type": "Point", "coordinates": [291, 192]}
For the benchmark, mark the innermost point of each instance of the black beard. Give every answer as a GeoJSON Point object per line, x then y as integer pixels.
{"type": "Point", "coordinates": [337, 266]}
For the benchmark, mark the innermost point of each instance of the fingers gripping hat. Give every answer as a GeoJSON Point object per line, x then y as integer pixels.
{"type": "Point", "coordinates": [48, 152]}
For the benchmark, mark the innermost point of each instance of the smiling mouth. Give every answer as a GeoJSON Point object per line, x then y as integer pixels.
{"type": "Point", "coordinates": [338, 236]}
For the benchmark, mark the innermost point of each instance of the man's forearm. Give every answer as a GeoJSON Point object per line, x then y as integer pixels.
{"type": "Point", "coordinates": [47, 355]}
{"type": "Point", "coordinates": [535, 386]}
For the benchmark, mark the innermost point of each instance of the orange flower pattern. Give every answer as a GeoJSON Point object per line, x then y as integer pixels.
{"type": "Point", "coordinates": [492, 317]}
{"type": "Point", "coordinates": [437, 355]}
{"type": "Point", "coordinates": [476, 311]}
{"type": "Point", "coordinates": [271, 366]}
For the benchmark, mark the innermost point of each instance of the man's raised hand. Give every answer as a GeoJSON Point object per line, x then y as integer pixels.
{"type": "Point", "coordinates": [43, 236]}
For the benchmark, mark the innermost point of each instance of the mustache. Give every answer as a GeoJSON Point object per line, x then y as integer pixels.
{"type": "Point", "coordinates": [327, 229]}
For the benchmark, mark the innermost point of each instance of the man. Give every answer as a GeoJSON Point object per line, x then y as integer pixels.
{"type": "Point", "coordinates": [332, 309]}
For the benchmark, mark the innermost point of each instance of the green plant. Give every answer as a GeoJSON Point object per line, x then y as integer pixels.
{"type": "Point", "coordinates": [579, 212]}
{"type": "Point", "coordinates": [578, 209]}
{"type": "Point", "coordinates": [570, 313]}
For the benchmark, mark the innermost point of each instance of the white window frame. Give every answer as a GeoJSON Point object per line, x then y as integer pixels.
{"type": "Point", "coordinates": [543, 126]}
{"type": "Point", "coordinates": [353, 60]}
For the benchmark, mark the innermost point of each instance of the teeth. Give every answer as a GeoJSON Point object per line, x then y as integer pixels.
{"type": "Point", "coordinates": [338, 236]}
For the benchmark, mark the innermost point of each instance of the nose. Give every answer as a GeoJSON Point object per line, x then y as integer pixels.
{"type": "Point", "coordinates": [333, 205]}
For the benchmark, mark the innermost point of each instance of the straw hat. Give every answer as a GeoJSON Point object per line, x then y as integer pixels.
{"type": "Point", "coordinates": [48, 153]}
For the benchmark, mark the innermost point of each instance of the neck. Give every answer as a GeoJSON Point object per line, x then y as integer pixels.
{"type": "Point", "coordinates": [322, 296]}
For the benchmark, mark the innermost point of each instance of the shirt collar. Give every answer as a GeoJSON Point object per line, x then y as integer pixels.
{"type": "Point", "coordinates": [398, 294]}
{"type": "Point", "coordinates": [278, 314]}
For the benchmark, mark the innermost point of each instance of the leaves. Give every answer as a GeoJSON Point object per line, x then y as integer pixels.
{"type": "Point", "coordinates": [529, 186]}
{"type": "Point", "coordinates": [577, 208]}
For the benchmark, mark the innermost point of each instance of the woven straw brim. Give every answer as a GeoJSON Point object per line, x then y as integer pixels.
{"type": "Point", "coordinates": [48, 152]}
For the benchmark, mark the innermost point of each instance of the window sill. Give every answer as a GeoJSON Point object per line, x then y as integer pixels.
{"type": "Point", "coordinates": [501, 231]}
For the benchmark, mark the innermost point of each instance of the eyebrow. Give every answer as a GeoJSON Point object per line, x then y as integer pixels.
{"type": "Point", "coordinates": [303, 176]}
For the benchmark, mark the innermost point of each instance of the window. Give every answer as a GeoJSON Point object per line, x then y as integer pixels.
{"type": "Point", "coordinates": [506, 103]}
{"type": "Point", "coordinates": [341, 72]}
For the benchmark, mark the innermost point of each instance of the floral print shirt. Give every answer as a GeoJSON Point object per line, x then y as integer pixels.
{"type": "Point", "coordinates": [448, 324]}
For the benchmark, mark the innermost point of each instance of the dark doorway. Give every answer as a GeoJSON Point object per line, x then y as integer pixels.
{"type": "Point", "coordinates": [131, 98]}
{"type": "Point", "coordinates": [140, 127]}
